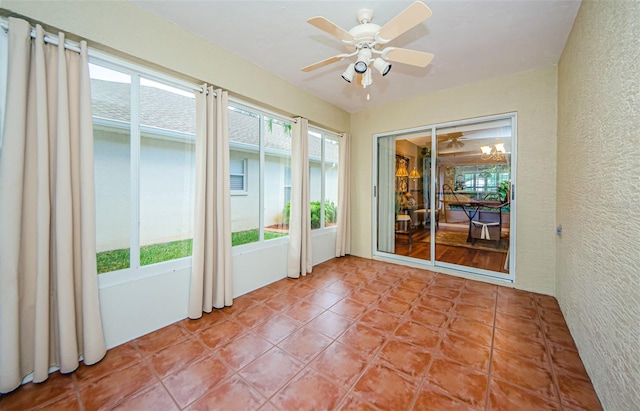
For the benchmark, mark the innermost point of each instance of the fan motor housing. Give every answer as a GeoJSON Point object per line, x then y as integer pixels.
{"type": "Point", "coordinates": [364, 33]}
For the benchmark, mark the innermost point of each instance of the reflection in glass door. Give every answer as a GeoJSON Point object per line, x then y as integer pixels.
{"type": "Point", "coordinates": [474, 201]}
{"type": "Point", "coordinates": [443, 195]}
{"type": "Point", "coordinates": [402, 202]}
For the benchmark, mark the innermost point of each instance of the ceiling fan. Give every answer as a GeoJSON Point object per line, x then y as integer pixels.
{"type": "Point", "coordinates": [452, 140]}
{"type": "Point", "coordinates": [367, 42]}
{"type": "Point", "coordinates": [454, 143]}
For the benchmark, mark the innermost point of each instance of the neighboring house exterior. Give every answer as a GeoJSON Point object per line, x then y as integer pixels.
{"type": "Point", "coordinates": [167, 166]}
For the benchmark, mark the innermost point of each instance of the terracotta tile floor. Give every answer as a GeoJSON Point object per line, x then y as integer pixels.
{"type": "Point", "coordinates": [354, 334]}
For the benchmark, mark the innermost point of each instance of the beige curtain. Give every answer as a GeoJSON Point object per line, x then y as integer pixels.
{"type": "Point", "coordinates": [211, 284]}
{"type": "Point", "coordinates": [343, 235]}
{"type": "Point", "coordinates": [49, 308]}
{"type": "Point", "coordinates": [299, 257]}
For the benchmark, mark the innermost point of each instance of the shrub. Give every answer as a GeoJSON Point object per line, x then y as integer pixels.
{"type": "Point", "coordinates": [329, 213]}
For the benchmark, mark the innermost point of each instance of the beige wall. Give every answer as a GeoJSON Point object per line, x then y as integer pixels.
{"type": "Point", "coordinates": [598, 277]}
{"type": "Point", "coordinates": [533, 96]}
{"type": "Point", "coordinates": [124, 28]}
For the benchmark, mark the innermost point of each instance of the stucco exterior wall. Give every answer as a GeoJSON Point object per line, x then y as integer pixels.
{"type": "Point", "coordinates": [533, 95]}
{"type": "Point", "coordinates": [598, 265]}
{"type": "Point", "coordinates": [167, 179]}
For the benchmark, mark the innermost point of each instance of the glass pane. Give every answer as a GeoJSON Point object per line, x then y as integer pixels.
{"type": "Point", "coordinates": [474, 166]}
{"type": "Point", "coordinates": [277, 195]}
{"type": "Point", "coordinates": [331, 156]}
{"type": "Point", "coordinates": [111, 101]}
{"type": "Point", "coordinates": [411, 170]}
{"type": "Point", "coordinates": [315, 178]}
{"type": "Point", "coordinates": [167, 172]}
{"type": "Point", "coordinates": [244, 143]}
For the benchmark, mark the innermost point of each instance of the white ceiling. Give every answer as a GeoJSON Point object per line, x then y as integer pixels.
{"type": "Point", "coordinates": [471, 40]}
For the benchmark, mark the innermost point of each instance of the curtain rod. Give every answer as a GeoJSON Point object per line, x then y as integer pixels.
{"type": "Point", "coordinates": [48, 38]}
{"type": "Point", "coordinates": [74, 46]}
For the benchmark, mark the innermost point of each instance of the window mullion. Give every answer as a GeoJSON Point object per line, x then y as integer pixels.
{"type": "Point", "coordinates": [322, 180]}
{"type": "Point", "coordinates": [135, 172]}
{"type": "Point", "coordinates": [262, 182]}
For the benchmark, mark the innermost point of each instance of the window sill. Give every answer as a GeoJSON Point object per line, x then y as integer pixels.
{"type": "Point", "coordinates": [128, 275]}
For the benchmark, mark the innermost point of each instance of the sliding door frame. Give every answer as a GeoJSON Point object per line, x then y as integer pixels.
{"type": "Point", "coordinates": [432, 263]}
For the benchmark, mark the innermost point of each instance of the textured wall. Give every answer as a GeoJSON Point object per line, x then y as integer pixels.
{"type": "Point", "coordinates": [533, 95]}
{"type": "Point", "coordinates": [598, 277]}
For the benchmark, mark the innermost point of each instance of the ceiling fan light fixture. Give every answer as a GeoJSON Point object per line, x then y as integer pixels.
{"type": "Point", "coordinates": [366, 79]}
{"type": "Point", "coordinates": [364, 58]}
{"type": "Point", "coordinates": [382, 66]}
{"type": "Point", "coordinates": [348, 73]}
{"type": "Point", "coordinates": [360, 67]}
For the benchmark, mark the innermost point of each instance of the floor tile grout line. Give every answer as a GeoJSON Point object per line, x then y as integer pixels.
{"type": "Point", "coordinates": [436, 348]}
{"type": "Point", "coordinates": [304, 366]}
{"type": "Point", "coordinates": [450, 315]}
{"type": "Point", "coordinates": [317, 355]}
{"type": "Point", "coordinates": [153, 371]}
{"type": "Point", "coordinates": [549, 358]}
{"type": "Point", "coordinates": [266, 399]}
{"type": "Point", "coordinates": [338, 275]}
{"type": "Point", "coordinates": [374, 354]}
{"type": "Point", "coordinates": [493, 338]}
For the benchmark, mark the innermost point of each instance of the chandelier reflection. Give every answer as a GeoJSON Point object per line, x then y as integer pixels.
{"type": "Point", "coordinates": [496, 152]}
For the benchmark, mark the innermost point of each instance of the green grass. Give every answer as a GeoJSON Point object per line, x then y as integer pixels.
{"type": "Point", "coordinates": [114, 260]}
{"type": "Point", "coordinates": [251, 236]}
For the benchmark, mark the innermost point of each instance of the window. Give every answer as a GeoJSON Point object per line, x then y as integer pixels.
{"type": "Point", "coordinates": [238, 175]}
{"type": "Point", "coordinates": [277, 177]}
{"type": "Point", "coordinates": [331, 156]}
{"type": "Point", "coordinates": [260, 152]}
{"type": "Point", "coordinates": [264, 144]}
{"type": "Point", "coordinates": [144, 148]}
{"type": "Point", "coordinates": [481, 179]}
{"type": "Point", "coordinates": [244, 144]}
{"type": "Point", "coordinates": [323, 178]}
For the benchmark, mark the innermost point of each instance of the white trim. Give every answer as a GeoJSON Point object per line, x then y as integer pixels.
{"type": "Point", "coordinates": [261, 170]}
{"type": "Point", "coordinates": [128, 275]}
{"type": "Point", "coordinates": [136, 271]}
{"type": "Point", "coordinates": [127, 67]}
{"type": "Point", "coordinates": [134, 175]}
{"type": "Point", "coordinates": [4, 73]}
{"type": "Point", "coordinates": [252, 107]}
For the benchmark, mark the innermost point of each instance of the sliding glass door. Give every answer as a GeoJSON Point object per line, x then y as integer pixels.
{"type": "Point", "coordinates": [444, 195]}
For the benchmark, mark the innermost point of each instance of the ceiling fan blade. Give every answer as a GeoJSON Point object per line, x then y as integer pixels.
{"type": "Point", "coordinates": [322, 63]}
{"type": "Point", "coordinates": [410, 17]}
{"type": "Point", "coordinates": [406, 56]}
{"type": "Point", "coordinates": [331, 28]}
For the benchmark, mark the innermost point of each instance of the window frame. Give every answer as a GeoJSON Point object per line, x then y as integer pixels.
{"type": "Point", "coordinates": [263, 152]}
{"type": "Point", "coordinates": [4, 74]}
{"type": "Point", "coordinates": [136, 271]}
{"type": "Point", "coordinates": [324, 135]}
